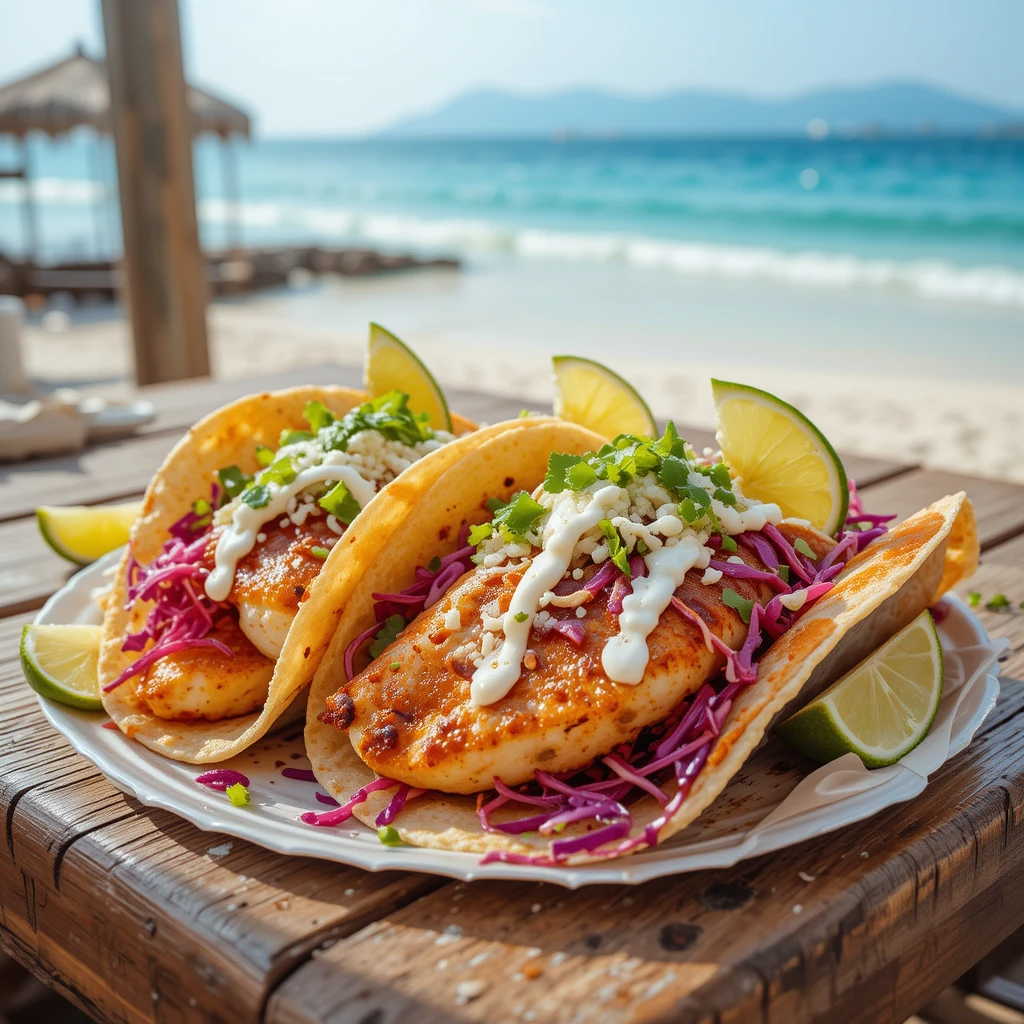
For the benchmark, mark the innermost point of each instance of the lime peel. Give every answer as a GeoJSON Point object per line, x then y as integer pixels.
{"type": "Point", "coordinates": [392, 366]}
{"type": "Point", "coordinates": [84, 533]}
{"type": "Point", "coordinates": [61, 663]}
{"type": "Point", "coordinates": [589, 393]}
{"type": "Point", "coordinates": [882, 708]}
{"type": "Point", "coordinates": [778, 455]}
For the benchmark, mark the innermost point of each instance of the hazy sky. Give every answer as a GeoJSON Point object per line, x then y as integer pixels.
{"type": "Point", "coordinates": [329, 67]}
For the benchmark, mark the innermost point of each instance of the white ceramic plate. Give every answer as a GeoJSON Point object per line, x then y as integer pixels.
{"type": "Point", "coordinates": [770, 804]}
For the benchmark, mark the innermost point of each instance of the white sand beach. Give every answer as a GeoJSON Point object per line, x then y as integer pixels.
{"type": "Point", "coordinates": [967, 425]}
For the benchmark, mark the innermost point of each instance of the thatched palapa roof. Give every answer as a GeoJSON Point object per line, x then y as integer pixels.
{"type": "Point", "coordinates": [74, 92]}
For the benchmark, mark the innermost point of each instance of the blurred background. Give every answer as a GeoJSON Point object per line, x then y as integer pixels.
{"type": "Point", "coordinates": [826, 199]}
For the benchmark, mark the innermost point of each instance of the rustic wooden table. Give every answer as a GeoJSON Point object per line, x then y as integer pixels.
{"type": "Point", "coordinates": [125, 911]}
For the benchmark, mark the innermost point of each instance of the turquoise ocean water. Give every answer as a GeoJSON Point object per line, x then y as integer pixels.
{"type": "Point", "coordinates": [928, 226]}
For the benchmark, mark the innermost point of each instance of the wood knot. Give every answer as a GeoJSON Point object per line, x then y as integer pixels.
{"type": "Point", "coordinates": [726, 895]}
{"type": "Point", "coordinates": [676, 936]}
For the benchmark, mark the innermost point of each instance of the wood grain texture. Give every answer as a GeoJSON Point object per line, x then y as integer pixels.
{"type": "Point", "coordinates": [164, 270]}
{"type": "Point", "coordinates": [134, 913]}
{"type": "Point", "coordinates": [999, 505]}
{"type": "Point", "coordinates": [787, 938]}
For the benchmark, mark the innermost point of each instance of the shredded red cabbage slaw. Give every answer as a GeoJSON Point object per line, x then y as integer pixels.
{"type": "Point", "coordinates": [181, 615]}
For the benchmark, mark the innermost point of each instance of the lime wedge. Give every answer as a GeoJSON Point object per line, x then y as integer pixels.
{"type": "Point", "coordinates": [881, 709]}
{"type": "Point", "coordinates": [392, 366]}
{"type": "Point", "coordinates": [595, 397]}
{"type": "Point", "coordinates": [60, 663]}
{"type": "Point", "coordinates": [778, 455]}
{"type": "Point", "coordinates": [83, 533]}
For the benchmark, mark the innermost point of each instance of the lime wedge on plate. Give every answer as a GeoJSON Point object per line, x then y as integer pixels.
{"type": "Point", "coordinates": [83, 533]}
{"type": "Point", "coordinates": [778, 455]}
{"type": "Point", "coordinates": [595, 397]}
{"type": "Point", "coordinates": [881, 709]}
{"type": "Point", "coordinates": [392, 366]}
{"type": "Point", "coordinates": [60, 662]}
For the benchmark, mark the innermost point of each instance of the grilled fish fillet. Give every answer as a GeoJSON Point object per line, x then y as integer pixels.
{"type": "Point", "coordinates": [202, 683]}
{"type": "Point", "coordinates": [409, 715]}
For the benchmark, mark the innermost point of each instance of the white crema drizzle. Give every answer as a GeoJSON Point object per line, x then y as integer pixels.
{"type": "Point", "coordinates": [625, 656]}
{"type": "Point", "coordinates": [239, 538]}
{"type": "Point", "coordinates": [499, 673]}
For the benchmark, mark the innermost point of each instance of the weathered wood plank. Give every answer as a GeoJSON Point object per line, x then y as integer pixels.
{"type": "Point", "coordinates": [999, 505]}
{"type": "Point", "coordinates": [128, 911]}
{"type": "Point", "coordinates": [30, 570]}
{"type": "Point", "coordinates": [781, 938]}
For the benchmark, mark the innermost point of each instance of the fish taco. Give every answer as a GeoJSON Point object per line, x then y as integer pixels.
{"type": "Point", "coordinates": [226, 595]}
{"type": "Point", "coordinates": [570, 661]}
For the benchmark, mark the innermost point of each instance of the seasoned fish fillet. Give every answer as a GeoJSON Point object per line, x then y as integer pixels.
{"type": "Point", "coordinates": [203, 683]}
{"type": "Point", "coordinates": [410, 717]}
{"type": "Point", "coordinates": [272, 580]}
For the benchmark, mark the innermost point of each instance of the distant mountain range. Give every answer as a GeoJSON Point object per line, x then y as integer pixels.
{"type": "Point", "coordinates": [889, 108]}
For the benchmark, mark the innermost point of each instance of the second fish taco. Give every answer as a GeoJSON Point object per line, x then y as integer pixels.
{"type": "Point", "coordinates": [582, 672]}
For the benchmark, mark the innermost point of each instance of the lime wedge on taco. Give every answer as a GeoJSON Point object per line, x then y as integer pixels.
{"type": "Point", "coordinates": [591, 395]}
{"type": "Point", "coordinates": [392, 366]}
{"type": "Point", "coordinates": [60, 662]}
{"type": "Point", "coordinates": [778, 455]}
{"type": "Point", "coordinates": [881, 709]}
{"type": "Point", "coordinates": [81, 533]}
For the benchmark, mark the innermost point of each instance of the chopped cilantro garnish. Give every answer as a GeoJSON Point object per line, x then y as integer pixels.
{"type": "Point", "coordinates": [434, 564]}
{"type": "Point", "coordinates": [519, 516]}
{"type": "Point", "coordinates": [395, 666]}
{"type": "Point", "coordinates": [202, 507]}
{"type": "Point", "coordinates": [386, 635]}
{"type": "Point", "coordinates": [804, 548]}
{"type": "Point", "coordinates": [479, 533]}
{"type": "Point", "coordinates": [494, 504]}
{"type": "Point", "coordinates": [521, 616]}
{"type": "Point", "coordinates": [256, 496]}
{"type": "Point", "coordinates": [293, 437]}
{"type": "Point", "coordinates": [689, 511]}
{"type": "Point", "coordinates": [616, 549]}
{"type": "Point", "coordinates": [264, 455]}
{"type": "Point", "coordinates": [280, 472]}
{"type": "Point", "coordinates": [389, 836]}
{"type": "Point", "coordinates": [559, 465]}
{"type": "Point", "coordinates": [641, 547]}
{"type": "Point", "coordinates": [784, 573]}
{"type": "Point", "coordinates": [673, 474]}
{"type": "Point", "coordinates": [724, 496]}
{"type": "Point", "coordinates": [974, 598]}
{"type": "Point", "coordinates": [318, 416]}
{"type": "Point", "coordinates": [389, 414]}
{"type": "Point", "coordinates": [580, 476]}
{"type": "Point", "coordinates": [741, 604]}
{"type": "Point", "coordinates": [998, 603]}
{"type": "Point", "coordinates": [238, 795]}
{"type": "Point", "coordinates": [233, 480]}
{"type": "Point", "coordinates": [319, 552]}
{"type": "Point", "coordinates": [728, 544]}
{"type": "Point", "coordinates": [338, 502]}
{"type": "Point", "coordinates": [720, 477]}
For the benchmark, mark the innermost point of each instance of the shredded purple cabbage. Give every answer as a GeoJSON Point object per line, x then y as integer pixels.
{"type": "Point", "coordinates": [220, 778]}
{"type": "Point", "coordinates": [182, 615]}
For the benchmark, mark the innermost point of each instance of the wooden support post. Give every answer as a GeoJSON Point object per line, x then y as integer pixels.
{"type": "Point", "coordinates": [163, 265]}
